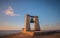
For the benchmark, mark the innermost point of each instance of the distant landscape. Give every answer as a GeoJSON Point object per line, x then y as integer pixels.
{"type": "Point", "coordinates": [8, 32]}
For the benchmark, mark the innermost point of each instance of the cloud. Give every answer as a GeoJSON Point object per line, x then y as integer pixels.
{"type": "Point", "coordinates": [10, 12]}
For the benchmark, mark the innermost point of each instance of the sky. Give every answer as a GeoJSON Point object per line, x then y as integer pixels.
{"type": "Point", "coordinates": [12, 13]}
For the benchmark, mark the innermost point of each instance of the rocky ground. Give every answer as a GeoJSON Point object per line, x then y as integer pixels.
{"type": "Point", "coordinates": [22, 35]}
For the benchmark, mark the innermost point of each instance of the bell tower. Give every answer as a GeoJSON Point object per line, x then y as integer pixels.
{"type": "Point", "coordinates": [31, 19]}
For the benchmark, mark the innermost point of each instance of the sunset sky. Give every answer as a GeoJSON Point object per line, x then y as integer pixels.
{"type": "Point", "coordinates": [12, 13]}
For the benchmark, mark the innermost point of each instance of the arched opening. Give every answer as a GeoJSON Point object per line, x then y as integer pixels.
{"type": "Point", "coordinates": [32, 26]}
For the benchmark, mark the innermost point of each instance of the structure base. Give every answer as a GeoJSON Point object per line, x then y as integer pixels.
{"type": "Point", "coordinates": [32, 33]}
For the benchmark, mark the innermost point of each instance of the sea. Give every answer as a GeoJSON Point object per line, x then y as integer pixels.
{"type": "Point", "coordinates": [7, 32]}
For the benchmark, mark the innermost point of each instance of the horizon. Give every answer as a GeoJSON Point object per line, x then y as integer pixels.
{"type": "Point", "coordinates": [12, 13]}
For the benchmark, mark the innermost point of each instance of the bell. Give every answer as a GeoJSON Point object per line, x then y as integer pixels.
{"type": "Point", "coordinates": [32, 21]}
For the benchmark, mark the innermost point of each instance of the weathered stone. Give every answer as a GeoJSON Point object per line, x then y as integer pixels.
{"type": "Point", "coordinates": [27, 28]}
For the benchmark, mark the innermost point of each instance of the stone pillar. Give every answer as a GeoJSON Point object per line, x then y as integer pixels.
{"type": "Point", "coordinates": [27, 23]}
{"type": "Point", "coordinates": [36, 24]}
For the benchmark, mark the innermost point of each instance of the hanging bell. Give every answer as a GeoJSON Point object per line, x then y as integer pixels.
{"type": "Point", "coordinates": [32, 21]}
